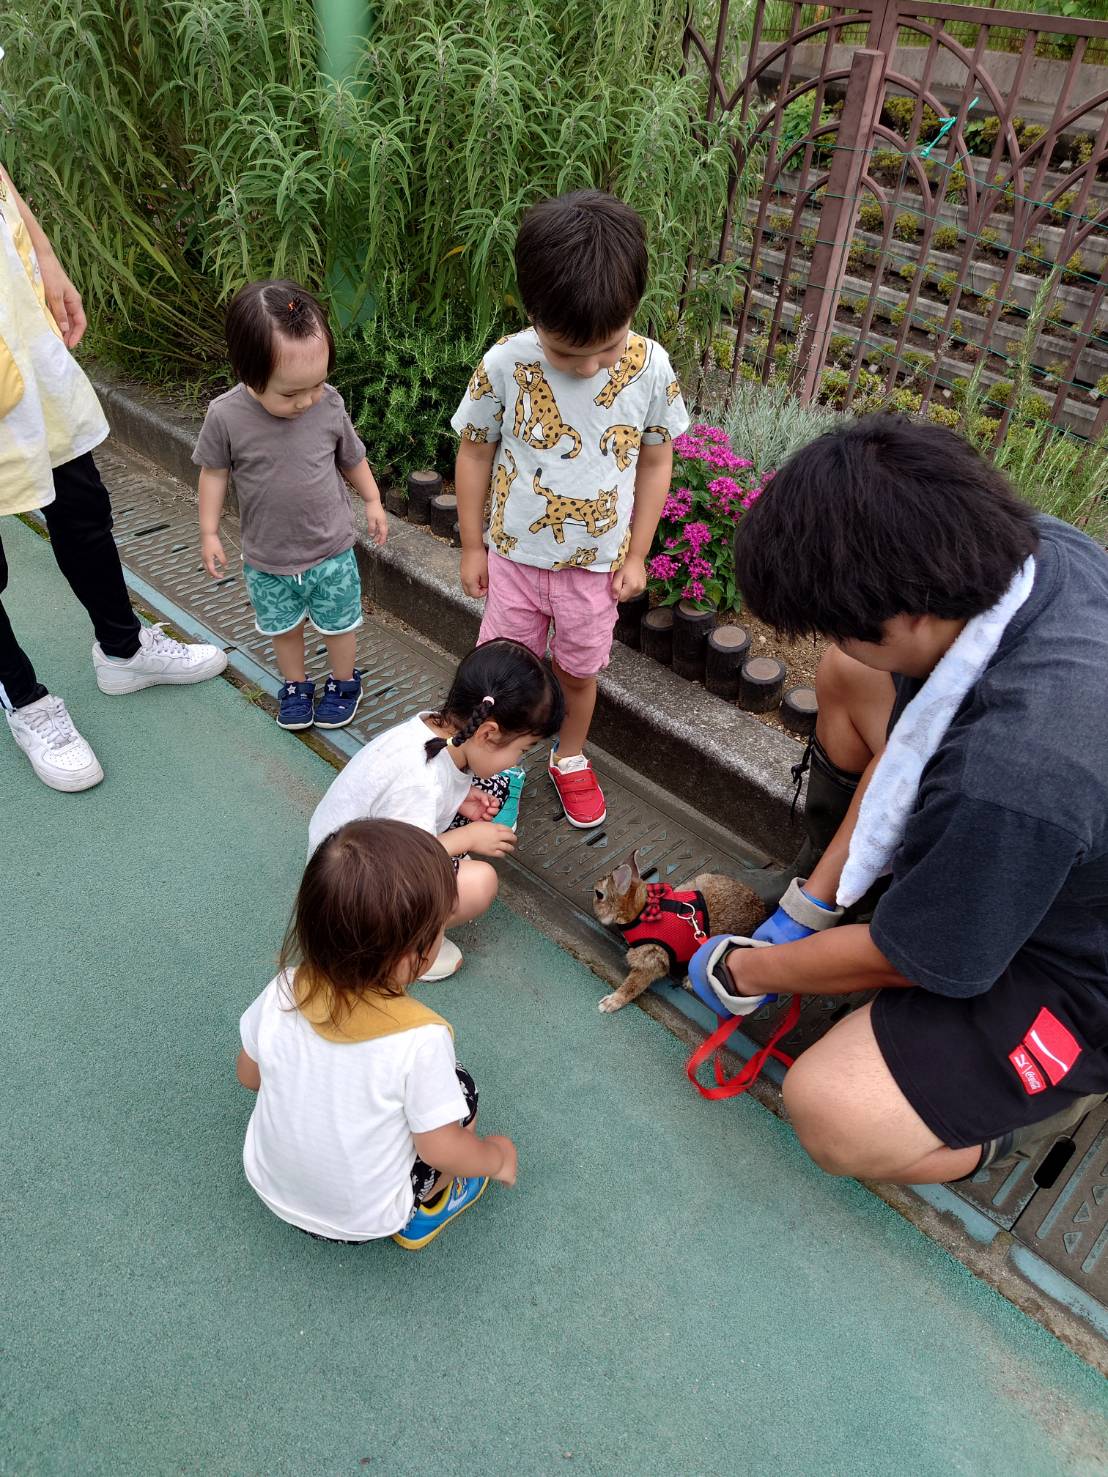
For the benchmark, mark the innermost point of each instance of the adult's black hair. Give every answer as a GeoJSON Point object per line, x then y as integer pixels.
{"type": "Point", "coordinates": [505, 682]}
{"type": "Point", "coordinates": [259, 312]}
{"type": "Point", "coordinates": [883, 516]}
{"type": "Point", "coordinates": [581, 265]}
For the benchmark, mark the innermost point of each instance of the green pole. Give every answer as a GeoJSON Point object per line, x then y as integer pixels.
{"type": "Point", "coordinates": [343, 26]}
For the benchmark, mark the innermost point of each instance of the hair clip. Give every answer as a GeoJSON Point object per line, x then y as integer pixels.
{"type": "Point", "coordinates": [292, 306]}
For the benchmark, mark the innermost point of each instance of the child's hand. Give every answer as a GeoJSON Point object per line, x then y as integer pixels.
{"type": "Point", "coordinates": [475, 572]}
{"type": "Point", "coordinates": [486, 838]}
{"type": "Point", "coordinates": [377, 522]}
{"type": "Point", "coordinates": [211, 551]}
{"type": "Point", "coordinates": [631, 579]}
{"type": "Point", "coordinates": [479, 805]}
{"type": "Point", "coordinates": [506, 1174]}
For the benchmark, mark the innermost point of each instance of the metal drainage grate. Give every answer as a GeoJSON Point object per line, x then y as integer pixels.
{"type": "Point", "coordinates": [157, 539]}
{"type": "Point", "coordinates": [1064, 1222]}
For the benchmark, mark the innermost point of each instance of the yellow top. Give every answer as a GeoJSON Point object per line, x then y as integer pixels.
{"type": "Point", "coordinates": [383, 1015]}
{"type": "Point", "coordinates": [49, 412]}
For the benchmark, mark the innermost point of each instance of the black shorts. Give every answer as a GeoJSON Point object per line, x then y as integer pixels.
{"type": "Point", "coordinates": [498, 786]}
{"type": "Point", "coordinates": [976, 1068]}
{"type": "Point", "coordinates": [423, 1176]}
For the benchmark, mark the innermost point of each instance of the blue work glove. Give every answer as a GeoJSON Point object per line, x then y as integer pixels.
{"type": "Point", "coordinates": [711, 981]}
{"type": "Point", "coordinates": [798, 917]}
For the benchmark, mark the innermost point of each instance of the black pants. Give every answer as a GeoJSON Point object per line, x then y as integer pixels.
{"type": "Point", "coordinates": [80, 524]}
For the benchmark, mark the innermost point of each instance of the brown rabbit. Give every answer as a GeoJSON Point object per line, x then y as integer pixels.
{"type": "Point", "coordinates": [675, 921]}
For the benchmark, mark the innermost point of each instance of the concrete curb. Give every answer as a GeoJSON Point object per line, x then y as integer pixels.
{"type": "Point", "coordinates": [706, 752]}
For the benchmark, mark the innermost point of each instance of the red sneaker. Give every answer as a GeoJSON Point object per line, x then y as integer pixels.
{"type": "Point", "coordinates": [578, 790]}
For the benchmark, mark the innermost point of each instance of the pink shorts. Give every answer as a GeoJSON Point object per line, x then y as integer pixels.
{"type": "Point", "coordinates": [523, 603]}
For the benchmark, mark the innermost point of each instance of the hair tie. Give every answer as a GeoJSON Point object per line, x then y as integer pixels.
{"type": "Point", "coordinates": [488, 698]}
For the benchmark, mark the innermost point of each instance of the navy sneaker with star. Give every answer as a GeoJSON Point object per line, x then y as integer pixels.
{"type": "Point", "coordinates": [295, 708]}
{"type": "Point", "coordinates": [339, 702]}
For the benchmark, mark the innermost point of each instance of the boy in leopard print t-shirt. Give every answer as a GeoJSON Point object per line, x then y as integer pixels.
{"type": "Point", "coordinates": [567, 437]}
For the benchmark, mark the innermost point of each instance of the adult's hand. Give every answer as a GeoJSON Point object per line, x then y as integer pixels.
{"type": "Point", "coordinates": [63, 300]}
{"type": "Point", "coordinates": [799, 915]}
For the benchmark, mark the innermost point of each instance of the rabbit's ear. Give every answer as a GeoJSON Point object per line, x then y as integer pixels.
{"type": "Point", "coordinates": [635, 865]}
{"type": "Point", "coordinates": [622, 877]}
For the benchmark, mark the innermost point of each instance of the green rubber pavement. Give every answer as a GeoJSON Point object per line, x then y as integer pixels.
{"type": "Point", "coordinates": [671, 1289]}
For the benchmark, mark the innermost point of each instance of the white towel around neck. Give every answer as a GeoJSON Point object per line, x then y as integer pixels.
{"type": "Point", "coordinates": [892, 790]}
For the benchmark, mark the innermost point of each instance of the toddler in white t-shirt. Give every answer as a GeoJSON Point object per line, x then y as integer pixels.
{"type": "Point", "coordinates": [431, 771]}
{"type": "Point", "coordinates": [364, 1123]}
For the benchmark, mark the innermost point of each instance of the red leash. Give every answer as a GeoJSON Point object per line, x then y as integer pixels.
{"type": "Point", "coordinates": [751, 1070]}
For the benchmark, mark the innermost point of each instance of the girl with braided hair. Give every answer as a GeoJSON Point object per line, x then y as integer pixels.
{"type": "Point", "coordinates": [444, 771]}
{"type": "Point", "coordinates": [284, 433]}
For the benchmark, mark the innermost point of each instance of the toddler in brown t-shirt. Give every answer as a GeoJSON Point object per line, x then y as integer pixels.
{"type": "Point", "coordinates": [285, 434]}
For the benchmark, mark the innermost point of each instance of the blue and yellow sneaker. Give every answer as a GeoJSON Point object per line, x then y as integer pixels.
{"type": "Point", "coordinates": [295, 709]}
{"type": "Point", "coordinates": [428, 1220]}
{"type": "Point", "coordinates": [339, 701]}
{"type": "Point", "coordinates": [508, 814]}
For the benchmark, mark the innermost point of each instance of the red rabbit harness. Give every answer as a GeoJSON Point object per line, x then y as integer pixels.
{"type": "Point", "coordinates": [676, 921]}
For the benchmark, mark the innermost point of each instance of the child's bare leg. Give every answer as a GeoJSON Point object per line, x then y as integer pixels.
{"type": "Point", "coordinates": [580, 695]}
{"type": "Point", "coordinates": [289, 648]}
{"type": "Point", "coordinates": [341, 651]}
{"type": "Point", "coordinates": [477, 887]}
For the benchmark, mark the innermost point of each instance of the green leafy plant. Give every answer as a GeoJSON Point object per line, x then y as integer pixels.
{"type": "Point", "coordinates": [841, 349]}
{"type": "Point", "coordinates": [943, 415]}
{"type": "Point", "coordinates": [177, 151]}
{"type": "Point", "coordinates": [899, 112]}
{"type": "Point", "coordinates": [887, 164]}
{"type": "Point", "coordinates": [723, 351]}
{"type": "Point", "coordinates": [870, 216]}
{"type": "Point", "coordinates": [1063, 207]}
{"type": "Point", "coordinates": [401, 374]}
{"type": "Point", "coordinates": [945, 238]}
{"type": "Point", "coordinates": [906, 402]}
{"type": "Point", "coordinates": [906, 226]}
{"type": "Point", "coordinates": [1074, 270]}
{"type": "Point", "coordinates": [981, 134]}
{"type": "Point", "coordinates": [1033, 258]}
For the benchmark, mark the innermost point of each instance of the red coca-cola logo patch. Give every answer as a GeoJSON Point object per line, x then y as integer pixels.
{"type": "Point", "coordinates": [1046, 1054]}
{"type": "Point", "coordinates": [1026, 1069]}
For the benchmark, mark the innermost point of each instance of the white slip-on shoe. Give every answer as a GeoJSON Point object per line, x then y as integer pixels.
{"type": "Point", "coordinates": [160, 660]}
{"type": "Point", "coordinates": [59, 755]}
{"type": "Point", "coordinates": [447, 962]}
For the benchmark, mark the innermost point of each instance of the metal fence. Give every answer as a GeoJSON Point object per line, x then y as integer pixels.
{"type": "Point", "coordinates": [931, 218]}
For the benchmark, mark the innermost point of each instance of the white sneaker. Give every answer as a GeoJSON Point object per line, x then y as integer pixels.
{"type": "Point", "coordinates": [59, 755]}
{"type": "Point", "coordinates": [158, 660]}
{"type": "Point", "coordinates": [447, 962]}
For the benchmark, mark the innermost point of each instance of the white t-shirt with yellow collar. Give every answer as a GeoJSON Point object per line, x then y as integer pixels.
{"type": "Point", "coordinates": [49, 413]}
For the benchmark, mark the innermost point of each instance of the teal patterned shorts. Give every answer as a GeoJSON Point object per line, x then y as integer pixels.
{"type": "Point", "coordinates": [329, 594]}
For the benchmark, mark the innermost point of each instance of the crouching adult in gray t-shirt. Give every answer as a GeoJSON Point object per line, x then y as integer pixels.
{"type": "Point", "coordinates": [989, 946]}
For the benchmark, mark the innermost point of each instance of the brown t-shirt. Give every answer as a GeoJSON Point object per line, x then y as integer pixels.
{"type": "Point", "coordinates": [295, 506]}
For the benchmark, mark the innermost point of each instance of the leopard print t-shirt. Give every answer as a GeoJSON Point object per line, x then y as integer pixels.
{"type": "Point", "coordinates": [563, 481]}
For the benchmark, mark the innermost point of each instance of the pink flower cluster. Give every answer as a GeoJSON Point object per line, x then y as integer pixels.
{"type": "Point", "coordinates": [699, 515]}
{"type": "Point", "coordinates": [709, 444]}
